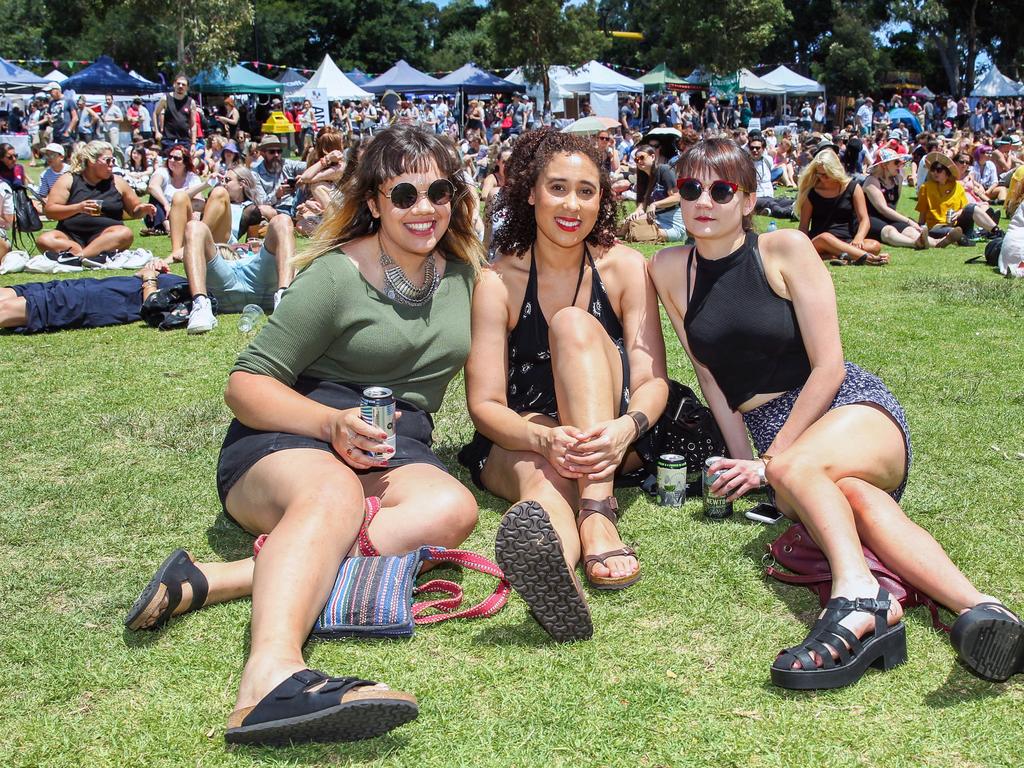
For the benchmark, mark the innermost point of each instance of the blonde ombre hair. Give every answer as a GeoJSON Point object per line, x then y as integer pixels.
{"type": "Point", "coordinates": [390, 153]}
{"type": "Point", "coordinates": [89, 153]}
{"type": "Point", "coordinates": [826, 161]}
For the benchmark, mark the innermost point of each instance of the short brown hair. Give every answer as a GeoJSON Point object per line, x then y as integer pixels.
{"type": "Point", "coordinates": [721, 159]}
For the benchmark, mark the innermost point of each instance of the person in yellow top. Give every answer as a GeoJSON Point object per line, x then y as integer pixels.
{"type": "Point", "coordinates": [1015, 192]}
{"type": "Point", "coordinates": [942, 204]}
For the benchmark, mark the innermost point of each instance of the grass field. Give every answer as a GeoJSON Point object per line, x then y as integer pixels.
{"type": "Point", "coordinates": [110, 440]}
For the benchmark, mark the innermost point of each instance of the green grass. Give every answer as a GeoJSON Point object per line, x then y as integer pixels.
{"type": "Point", "coordinates": [110, 441]}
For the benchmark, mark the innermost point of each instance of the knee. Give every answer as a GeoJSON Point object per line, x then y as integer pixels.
{"type": "Point", "coordinates": [545, 478]}
{"type": "Point", "coordinates": [281, 225]}
{"type": "Point", "coordinates": [122, 235]}
{"type": "Point", "coordinates": [195, 230]}
{"type": "Point", "coordinates": [456, 513]}
{"type": "Point", "coordinates": [572, 327]}
{"type": "Point", "coordinates": [217, 195]}
{"type": "Point", "coordinates": [333, 505]}
{"type": "Point", "coordinates": [788, 470]}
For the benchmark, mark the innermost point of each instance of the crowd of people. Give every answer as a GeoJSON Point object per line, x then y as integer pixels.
{"type": "Point", "coordinates": [556, 322]}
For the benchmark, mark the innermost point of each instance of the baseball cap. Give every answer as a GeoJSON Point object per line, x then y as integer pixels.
{"type": "Point", "coordinates": [57, 149]}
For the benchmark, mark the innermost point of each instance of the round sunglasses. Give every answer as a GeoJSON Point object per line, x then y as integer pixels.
{"type": "Point", "coordinates": [721, 192]}
{"type": "Point", "coordinates": [404, 194]}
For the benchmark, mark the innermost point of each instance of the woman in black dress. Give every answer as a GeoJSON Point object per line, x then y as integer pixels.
{"type": "Point", "coordinates": [566, 372]}
{"type": "Point", "coordinates": [90, 204]}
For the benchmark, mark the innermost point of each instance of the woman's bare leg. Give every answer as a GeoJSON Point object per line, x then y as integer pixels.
{"type": "Point", "coordinates": [115, 238]}
{"type": "Point", "coordinates": [55, 240]}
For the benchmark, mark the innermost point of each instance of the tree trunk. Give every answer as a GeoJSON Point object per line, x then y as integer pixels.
{"type": "Point", "coordinates": [949, 57]}
{"type": "Point", "coordinates": [181, 36]}
{"type": "Point", "coordinates": [972, 49]}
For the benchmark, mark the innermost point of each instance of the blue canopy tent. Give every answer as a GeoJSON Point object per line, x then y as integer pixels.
{"type": "Point", "coordinates": [104, 76]}
{"type": "Point", "coordinates": [404, 78]}
{"type": "Point", "coordinates": [291, 80]}
{"type": "Point", "coordinates": [471, 79]}
{"type": "Point", "coordinates": [358, 77]}
{"type": "Point", "coordinates": [900, 115]}
{"type": "Point", "coordinates": [14, 79]}
{"type": "Point", "coordinates": [236, 79]}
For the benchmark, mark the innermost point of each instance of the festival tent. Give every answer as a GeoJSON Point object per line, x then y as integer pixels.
{"type": "Point", "coordinates": [358, 77]}
{"type": "Point", "coordinates": [236, 79]}
{"type": "Point", "coordinates": [104, 76]}
{"type": "Point", "coordinates": [751, 83]}
{"type": "Point", "coordinates": [924, 93]}
{"type": "Point", "coordinates": [535, 91]}
{"type": "Point", "coordinates": [55, 76]}
{"type": "Point", "coordinates": [995, 84]}
{"type": "Point", "coordinates": [471, 79]}
{"type": "Point", "coordinates": [404, 78]}
{"type": "Point", "coordinates": [792, 82]}
{"type": "Point", "coordinates": [661, 78]}
{"type": "Point", "coordinates": [291, 80]}
{"type": "Point", "coordinates": [333, 81]}
{"type": "Point", "coordinates": [699, 77]}
{"type": "Point", "coordinates": [603, 86]}
{"type": "Point", "coordinates": [14, 78]}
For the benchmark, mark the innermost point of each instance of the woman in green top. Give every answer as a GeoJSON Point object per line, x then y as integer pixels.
{"type": "Point", "coordinates": [383, 298]}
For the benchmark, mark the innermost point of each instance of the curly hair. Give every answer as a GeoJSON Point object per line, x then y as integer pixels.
{"type": "Point", "coordinates": [530, 156]}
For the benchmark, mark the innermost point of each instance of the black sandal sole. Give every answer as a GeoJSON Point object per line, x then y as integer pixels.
{"type": "Point", "coordinates": [530, 554]}
{"type": "Point", "coordinates": [352, 721]}
{"type": "Point", "coordinates": [990, 647]}
{"type": "Point", "coordinates": [151, 594]}
{"type": "Point", "coordinates": [885, 653]}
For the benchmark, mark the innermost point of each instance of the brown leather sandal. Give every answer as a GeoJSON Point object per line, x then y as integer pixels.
{"type": "Point", "coordinates": [608, 508]}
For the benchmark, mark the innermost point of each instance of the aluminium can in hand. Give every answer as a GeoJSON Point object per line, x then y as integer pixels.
{"type": "Point", "coordinates": [377, 407]}
{"type": "Point", "coordinates": [715, 507]}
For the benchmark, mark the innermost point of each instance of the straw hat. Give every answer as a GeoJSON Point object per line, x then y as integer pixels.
{"type": "Point", "coordinates": [938, 157]}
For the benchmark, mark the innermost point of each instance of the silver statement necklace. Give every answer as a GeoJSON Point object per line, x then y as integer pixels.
{"type": "Point", "coordinates": [398, 287]}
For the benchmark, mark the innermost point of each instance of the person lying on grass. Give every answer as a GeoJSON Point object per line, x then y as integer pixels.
{"type": "Point", "coordinates": [382, 298]}
{"type": "Point", "coordinates": [834, 214]}
{"type": "Point", "coordinates": [757, 316]}
{"type": "Point", "coordinates": [566, 372]}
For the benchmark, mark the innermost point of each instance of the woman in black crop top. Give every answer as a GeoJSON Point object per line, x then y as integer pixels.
{"type": "Point", "coordinates": [757, 316]}
{"type": "Point", "coordinates": [833, 213]}
{"type": "Point", "coordinates": [566, 371]}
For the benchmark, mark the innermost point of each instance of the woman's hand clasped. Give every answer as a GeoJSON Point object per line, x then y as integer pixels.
{"type": "Point", "coordinates": [355, 440]}
{"type": "Point", "coordinates": [739, 477]}
{"type": "Point", "coordinates": [560, 440]}
{"type": "Point", "coordinates": [598, 451]}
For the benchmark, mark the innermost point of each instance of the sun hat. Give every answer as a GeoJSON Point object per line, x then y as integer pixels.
{"type": "Point", "coordinates": [938, 157]}
{"type": "Point", "coordinates": [885, 155]}
{"type": "Point", "coordinates": [820, 147]}
{"type": "Point", "coordinates": [57, 149]}
{"type": "Point", "coordinates": [230, 147]}
{"type": "Point", "coordinates": [53, 85]}
{"type": "Point", "coordinates": [269, 140]}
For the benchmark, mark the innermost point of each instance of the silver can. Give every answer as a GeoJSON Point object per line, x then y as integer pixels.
{"type": "Point", "coordinates": [715, 507]}
{"type": "Point", "coordinates": [377, 408]}
{"type": "Point", "coordinates": [671, 480]}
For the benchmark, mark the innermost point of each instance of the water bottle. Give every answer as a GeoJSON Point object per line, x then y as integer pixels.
{"type": "Point", "coordinates": [252, 316]}
{"type": "Point", "coordinates": [772, 225]}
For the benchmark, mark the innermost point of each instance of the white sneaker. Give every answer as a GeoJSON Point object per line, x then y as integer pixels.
{"type": "Point", "coordinates": [278, 295]}
{"type": "Point", "coordinates": [201, 319]}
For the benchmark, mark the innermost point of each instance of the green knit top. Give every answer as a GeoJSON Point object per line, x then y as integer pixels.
{"type": "Point", "coordinates": [334, 326]}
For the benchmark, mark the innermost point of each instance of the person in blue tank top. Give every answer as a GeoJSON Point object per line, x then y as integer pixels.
{"type": "Point", "coordinates": [757, 316]}
{"type": "Point", "coordinates": [566, 371]}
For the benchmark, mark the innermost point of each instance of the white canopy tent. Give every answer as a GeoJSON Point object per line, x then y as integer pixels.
{"type": "Point", "coordinates": [751, 83]}
{"type": "Point", "coordinates": [55, 76]}
{"type": "Point", "coordinates": [332, 80]}
{"type": "Point", "coordinates": [995, 84]}
{"type": "Point", "coordinates": [535, 91]}
{"type": "Point", "coordinates": [792, 82]}
{"type": "Point", "coordinates": [603, 86]}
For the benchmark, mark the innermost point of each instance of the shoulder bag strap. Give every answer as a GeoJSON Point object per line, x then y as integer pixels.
{"type": "Point", "coordinates": [447, 607]}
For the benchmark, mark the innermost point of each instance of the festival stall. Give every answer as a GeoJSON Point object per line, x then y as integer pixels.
{"type": "Point", "coordinates": [104, 76]}
{"type": "Point", "coordinates": [661, 78]}
{"type": "Point", "coordinates": [14, 79]}
{"type": "Point", "coordinates": [358, 77]}
{"type": "Point", "coordinates": [236, 79]}
{"type": "Point", "coordinates": [996, 85]}
{"type": "Point", "coordinates": [792, 82]}
{"type": "Point", "coordinates": [330, 83]}
{"type": "Point", "coordinates": [603, 85]}
{"type": "Point", "coordinates": [404, 78]}
{"type": "Point", "coordinates": [291, 79]}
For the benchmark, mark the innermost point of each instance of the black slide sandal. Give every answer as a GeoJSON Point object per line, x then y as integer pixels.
{"type": "Point", "coordinates": [336, 711]}
{"type": "Point", "coordinates": [530, 554]}
{"type": "Point", "coordinates": [990, 641]}
{"type": "Point", "coordinates": [172, 573]}
{"type": "Point", "coordinates": [886, 648]}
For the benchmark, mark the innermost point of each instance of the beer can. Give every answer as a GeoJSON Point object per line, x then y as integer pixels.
{"type": "Point", "coordinates": [377, 407]}
{"type": "Point", "coordinates": [715, 507]}
{"type": "Point", "coordinates": [671, 480]}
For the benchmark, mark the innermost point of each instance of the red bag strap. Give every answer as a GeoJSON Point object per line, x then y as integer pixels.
{"type": "Point", "coordinates": [447, 607]}
{"type": "Point", "coordinates": [795, 578]}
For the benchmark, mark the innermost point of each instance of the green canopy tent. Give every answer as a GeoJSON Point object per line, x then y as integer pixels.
{"type": "Point", "coordinates": [236, 79]}
{"type": "Point", "coordinates": [661, 78]}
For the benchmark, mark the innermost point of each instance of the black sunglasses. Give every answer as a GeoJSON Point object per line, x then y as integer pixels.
{"type": "Point", "coordinates": [721, 192]}
{"type": "Point", "coordinates": [939, 167]}
{"type": "Point", "coordinates": [175, 157]}
{"type": "Point", "coordinates": [404, 195]}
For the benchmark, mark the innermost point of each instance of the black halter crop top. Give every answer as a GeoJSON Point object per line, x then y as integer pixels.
{"type": "Point", "coordinates": [736, 325]}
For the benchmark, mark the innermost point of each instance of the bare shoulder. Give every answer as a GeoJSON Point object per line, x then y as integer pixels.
{"type": "Point", "coordinates": [619, 259]}
{"type": "Point", "coordinates": [670, 260]}
{"type": "Point", "coordinates": [786, 246]}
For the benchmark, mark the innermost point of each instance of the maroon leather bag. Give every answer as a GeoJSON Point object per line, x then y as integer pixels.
{"type": "Point", "coordinates": [796, 551]}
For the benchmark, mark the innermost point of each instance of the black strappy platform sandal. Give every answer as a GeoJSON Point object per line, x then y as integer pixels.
{"type": "Point", "coordinates": [886, 648]}
{"type": "Point", "coordinates": [990, 640]}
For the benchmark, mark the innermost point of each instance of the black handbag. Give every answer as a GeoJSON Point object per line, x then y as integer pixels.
{"type": "Point", "coordinates": [686, 428]}
{"type": "Point", "coordinates": [26, 220]}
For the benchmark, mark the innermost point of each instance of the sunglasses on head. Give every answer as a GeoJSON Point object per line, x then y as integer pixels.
{"type": "Point", "coordinates": [721, 192]}
{"type": "Point", "coordinates": [404, 194]}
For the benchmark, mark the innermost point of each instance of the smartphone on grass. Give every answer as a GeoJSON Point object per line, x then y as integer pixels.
{"type": "Point", "coordinates": [764, 513]}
